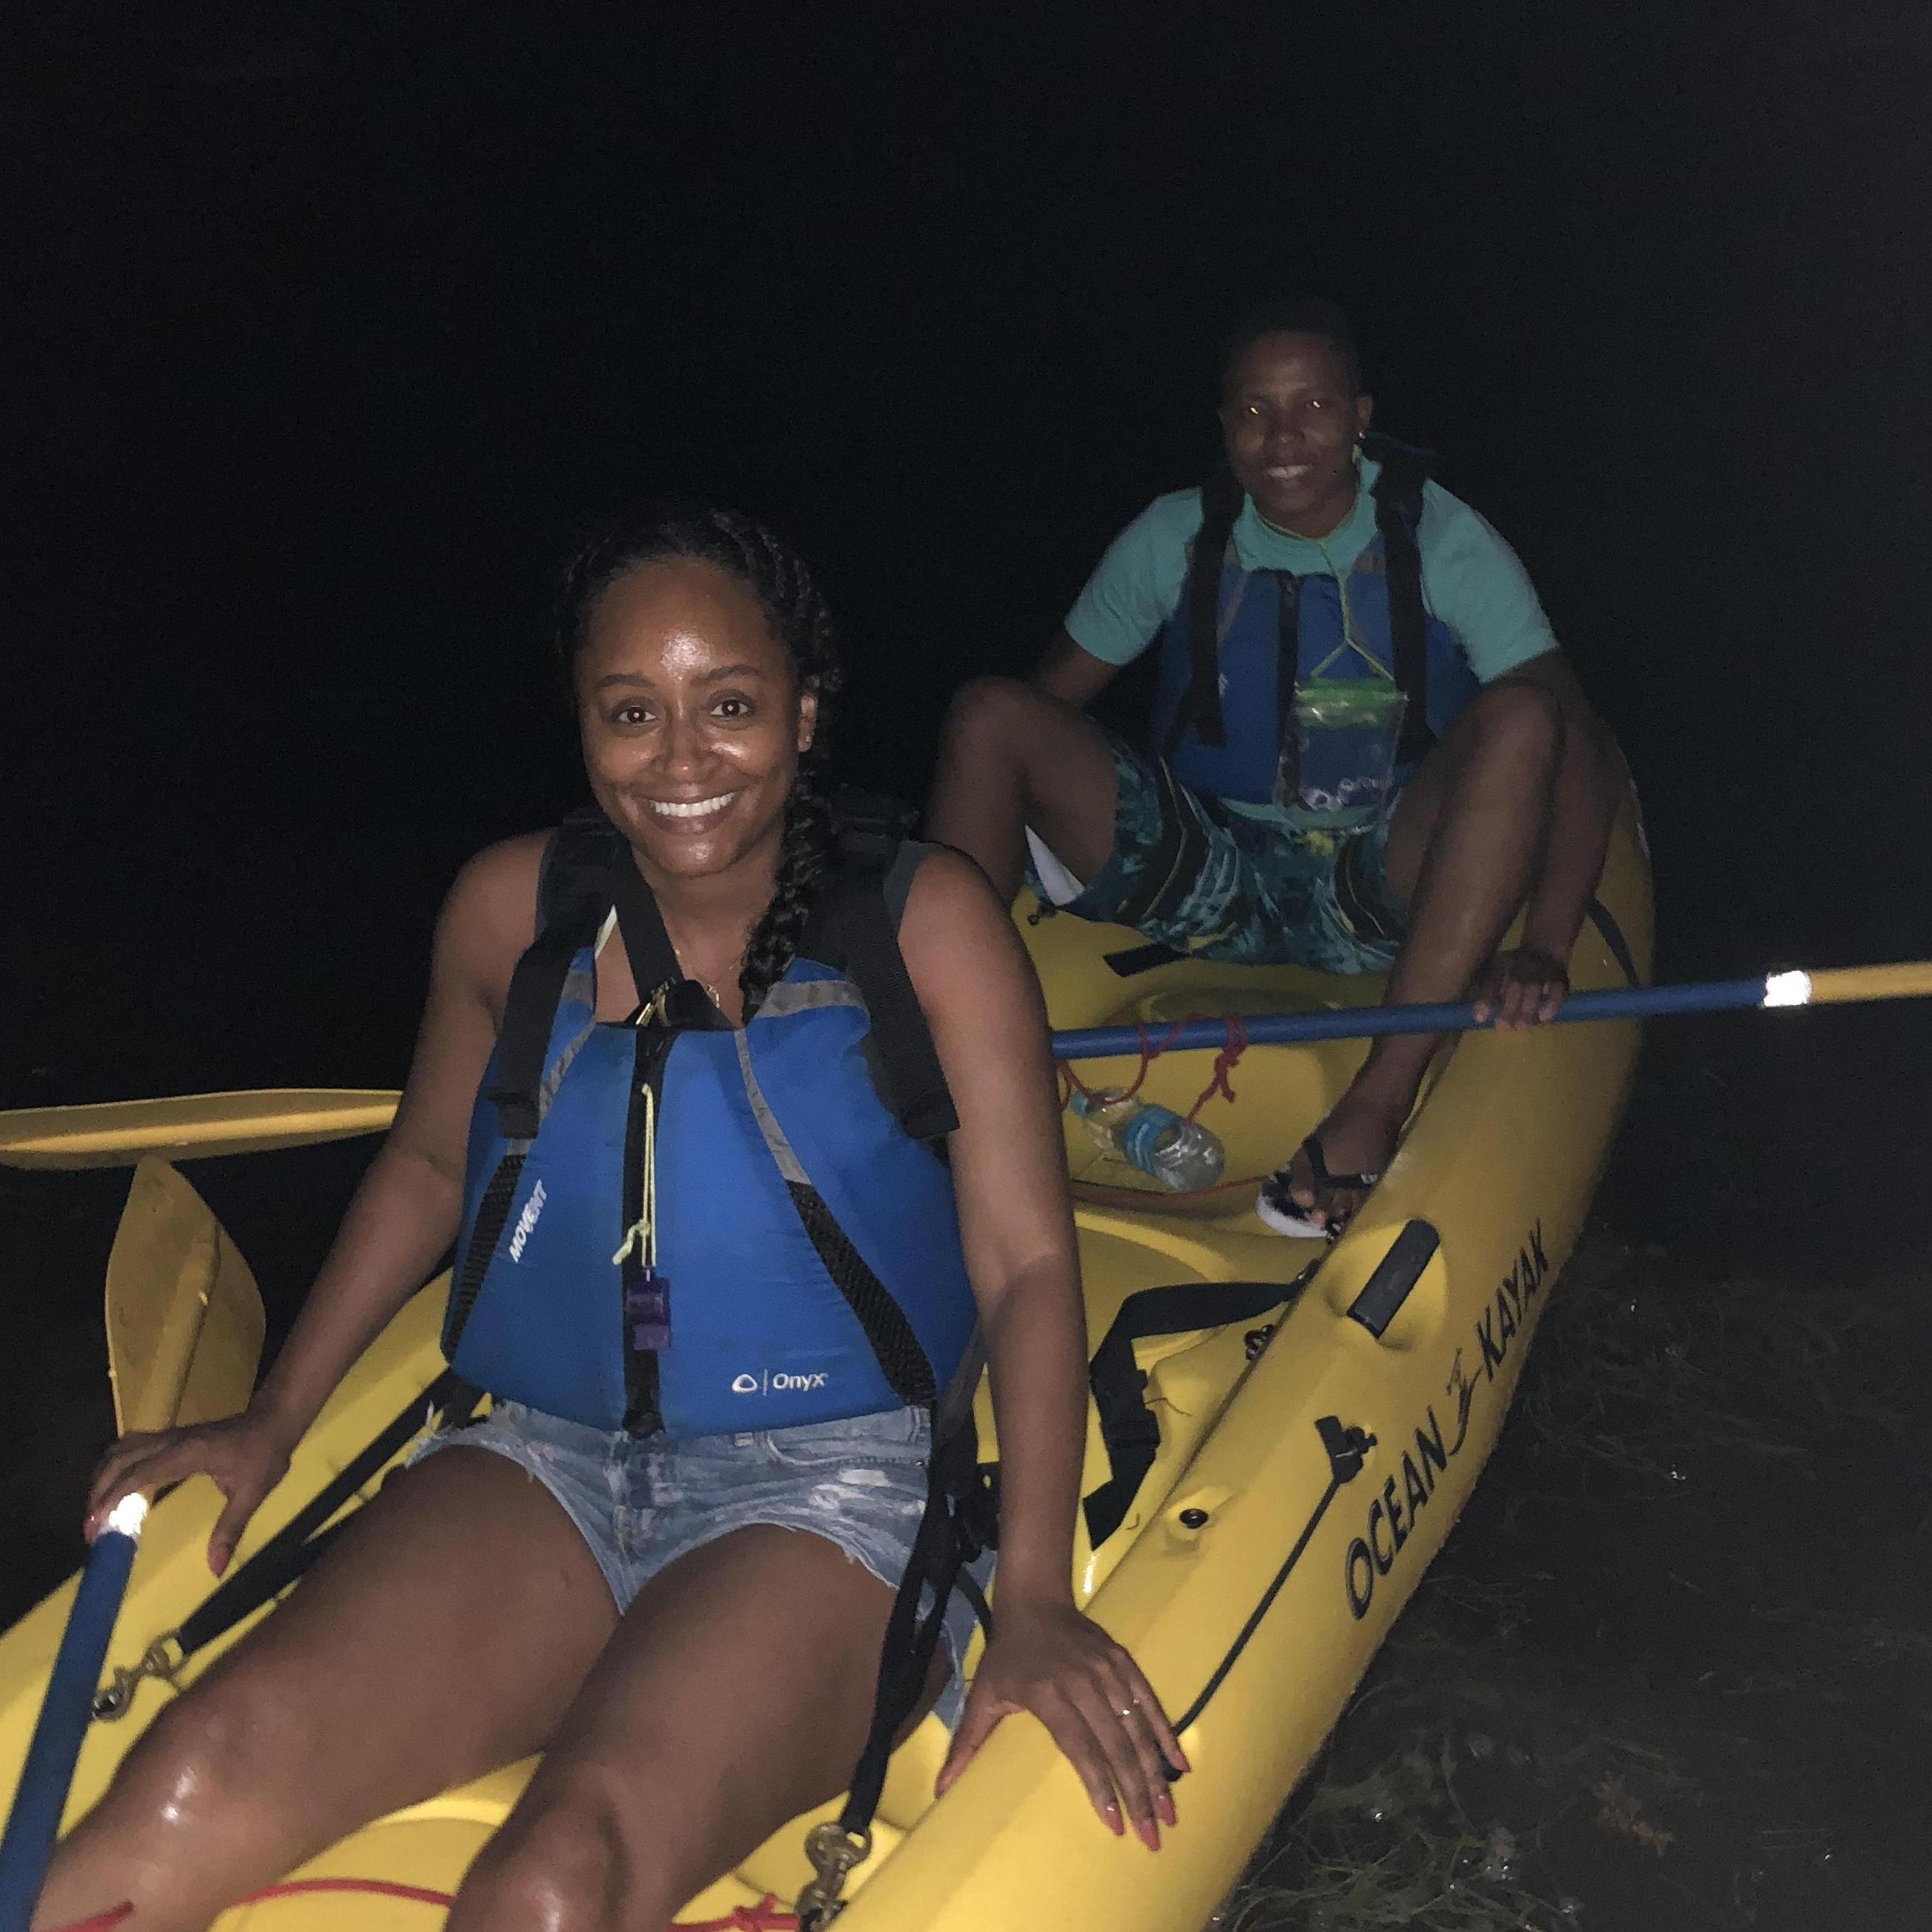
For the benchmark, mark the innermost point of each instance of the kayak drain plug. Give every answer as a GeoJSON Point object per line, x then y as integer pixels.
{"type": "Point", "coordinates": [1193, 1519]}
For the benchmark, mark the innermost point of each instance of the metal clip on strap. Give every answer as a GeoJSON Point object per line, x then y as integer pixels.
{"type": "Point", "coordinates": [835, 1853]}
{"type": "Point", "coordinates": [163, 1660]}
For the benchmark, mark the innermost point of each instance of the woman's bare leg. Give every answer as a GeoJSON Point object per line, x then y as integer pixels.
{"type": "Point", "coordinates": [736, 1693]}
{"type": "Point", "coordinates": [445, 1634]}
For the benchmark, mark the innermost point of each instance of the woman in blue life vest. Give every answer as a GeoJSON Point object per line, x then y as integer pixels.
{"type": "Point", "coordinates": [688, 1625]}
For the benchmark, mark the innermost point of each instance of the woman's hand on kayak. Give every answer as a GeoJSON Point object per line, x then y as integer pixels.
{"type": "Point", "coordinates": [245, 1456]}
{"type": "Point", "coordinates": [1522, 988]}
{"type": "Point", "coordinates": [1089, 1694]}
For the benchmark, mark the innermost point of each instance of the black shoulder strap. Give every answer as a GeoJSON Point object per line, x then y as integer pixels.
{"type": "Point", "coordinates": [1220, 505]}
{"type": "Point", "coordinates": [1398, 497]}
{"type": "Point", "coordinates": [646, 945]}
{"type": "Point", "coordinates": [852, 928]}
{"type": "Point", "coordinates": [573, 896]}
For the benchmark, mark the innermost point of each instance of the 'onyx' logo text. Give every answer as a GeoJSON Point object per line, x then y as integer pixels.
{"type": "Point", "coordinates": [781, 1383]}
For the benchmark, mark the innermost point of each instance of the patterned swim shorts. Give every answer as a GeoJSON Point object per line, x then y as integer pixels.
{"type": "Point", "coordinates": [1191, 872]}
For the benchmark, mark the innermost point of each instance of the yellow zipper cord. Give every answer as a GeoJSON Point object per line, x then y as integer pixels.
{"type": "Point", "coordinates": [643, 1234]}
{"type": "Point", "coordinates": [1351, 638]}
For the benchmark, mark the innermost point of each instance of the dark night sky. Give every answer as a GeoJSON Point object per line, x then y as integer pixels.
{"type": "Point", "coordinates": [335, 324]}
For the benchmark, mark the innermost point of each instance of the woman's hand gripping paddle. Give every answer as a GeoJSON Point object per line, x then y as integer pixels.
{"type": "Point", "coordinates": [115, 1133]}
{"type": "Point", "coordinates": [184, 1337]}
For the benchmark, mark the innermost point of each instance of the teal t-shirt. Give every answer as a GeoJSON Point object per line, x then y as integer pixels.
{"type": "Point", "coordinates": [1471, 580]}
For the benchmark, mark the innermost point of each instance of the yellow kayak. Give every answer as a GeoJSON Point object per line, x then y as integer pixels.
{"type": "Point", "coordinates": [1292, 1429]}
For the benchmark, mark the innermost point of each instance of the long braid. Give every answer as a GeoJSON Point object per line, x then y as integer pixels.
{"type": "Point", "coordinates": [805, 861]}
{"type": "Point", "coordinates": [777, 575]}
{"type": "Point", "coordinates": [806, 853]}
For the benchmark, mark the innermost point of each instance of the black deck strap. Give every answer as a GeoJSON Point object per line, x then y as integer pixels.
{"type": "Point", "coordinates": [852, 929]}
{"type": "Point", "coordinates": [1398, 500]}
{"type": "Point", "coordinates": [571, 899]}
{"type": "Point", "coordinates": [1127, 1426]}
{"type": "Point", "coordinates": [1133, 959]}
{"type": "Point", "coordinates": [287, 1554]}
{"type": "Point", "coordinates": [1287, 675]}
{"type": "Point", "coordinates": [960, 1520]}
{"type": "Point", "coordinates": [1612, 934]}
{"type": "Point", "coordinates": [1221, 500]}
{"type": "Point", "coordinates": [1346, 1448]}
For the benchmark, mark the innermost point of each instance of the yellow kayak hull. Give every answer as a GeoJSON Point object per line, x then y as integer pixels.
{"type": "Point", "coordinates": [1501, 1159]}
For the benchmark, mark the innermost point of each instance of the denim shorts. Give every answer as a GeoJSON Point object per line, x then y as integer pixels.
{"type": "Point", "coordinates": [1193, 873]}
{"type": "Point", "coordinates": [640, 1502]}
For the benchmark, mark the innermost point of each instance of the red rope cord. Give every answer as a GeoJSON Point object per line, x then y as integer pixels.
{"type": "Point", "coordinates": [1232, 1048]}
{"type": "Point", "coordinates": [765, 1916]}
{"type": "Point", "coordinates": [1235, 1045]}
{"type": "Point", "coordinates": [381, 1888]}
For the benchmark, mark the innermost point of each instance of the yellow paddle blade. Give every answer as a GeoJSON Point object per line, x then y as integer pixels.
{"type": "Point", "coordinates": [115, 1133]}
{"type": "Point", "coordinates": [1907, 980]}
{"type": "Point", "coordinates": [183, 1316]}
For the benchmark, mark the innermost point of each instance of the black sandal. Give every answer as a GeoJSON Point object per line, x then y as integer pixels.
{"type": "Point", "coordinates": [1279, 1209]}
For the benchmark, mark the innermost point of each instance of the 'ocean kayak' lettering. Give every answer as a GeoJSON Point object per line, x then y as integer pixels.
{"type": "Point", "coordinates": [1392, 1516]}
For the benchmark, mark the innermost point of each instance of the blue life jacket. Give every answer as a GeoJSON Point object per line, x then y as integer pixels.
{"type": "Point", "coordinates": [1221, 715]}
{"type": "Point", "coordinates": [805, 1231]}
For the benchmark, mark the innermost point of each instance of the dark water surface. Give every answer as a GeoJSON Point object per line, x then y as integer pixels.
{"type": "Point", "coordinates": [335, 323]}
{"type": "Point", "coordinates": [1674, 1667]}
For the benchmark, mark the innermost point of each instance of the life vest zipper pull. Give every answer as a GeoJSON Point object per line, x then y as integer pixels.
{"type": "Point", "coordinates": [646, 1292]}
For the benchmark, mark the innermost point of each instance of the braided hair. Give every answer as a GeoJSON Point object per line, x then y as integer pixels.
{"type": "Point", "coordinates": [776, 575]}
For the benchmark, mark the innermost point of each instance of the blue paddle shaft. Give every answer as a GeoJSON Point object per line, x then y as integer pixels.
{"type": "Point", "coordinates": [65, 1713]}
{"type": "Point", "coordinates": [1625, 1002]}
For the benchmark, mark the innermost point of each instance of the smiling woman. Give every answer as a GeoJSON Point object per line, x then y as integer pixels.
{"type": "Point", "coordinates": [698, 725]}
{"type": "Point", "coordinates": [699, 1028]}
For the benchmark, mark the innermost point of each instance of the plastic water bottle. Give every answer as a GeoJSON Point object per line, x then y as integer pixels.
{"type": "Point", "coordinates": [1181, 1155]}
